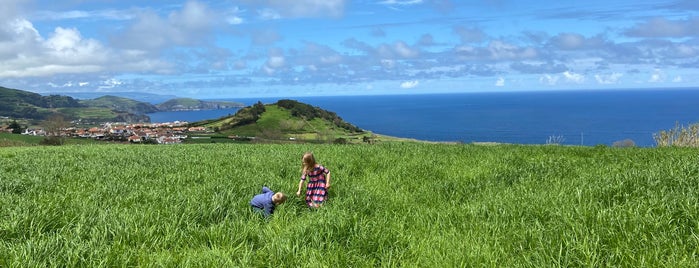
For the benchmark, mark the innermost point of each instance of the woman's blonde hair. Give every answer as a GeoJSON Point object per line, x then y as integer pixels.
{"type": "Point", "coordinates": [308, 162]}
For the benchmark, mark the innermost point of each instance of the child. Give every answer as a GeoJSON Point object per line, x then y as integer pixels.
{"type": "Point", "coordinates": [318, 181]}
{"type": "Point", "coordinates": [265, 202]}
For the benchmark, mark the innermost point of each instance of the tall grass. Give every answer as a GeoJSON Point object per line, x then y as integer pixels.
{"type": "Point", "coordinates": [423, 205]}
{"type": "Point", "coordinates": [680, 136]}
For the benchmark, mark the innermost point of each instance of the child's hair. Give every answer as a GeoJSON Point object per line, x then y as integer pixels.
{"type": "Point", "coordinates": [308, 162]}
{"type": "Point", "coordinates": [280, 197]}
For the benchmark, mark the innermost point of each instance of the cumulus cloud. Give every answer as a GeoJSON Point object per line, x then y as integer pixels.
{"type": "Point", "coordinates": [657, 76]}
{"type": "Point", "coordinates": [27, 54]}
{"type": "Point", "coordinates": [410, 84]}
{"type": "Point", "coordinates": [469, 35]}
{"type": "Point", "coordinates": [574, 41]}
{"type": "Point", "coordinates": [500, 82]}
{"type": "Point", "coordinates": [405, 51]}
{"type": "Point", "coordinates": [538, 67]}
{"type": "Point", "coordinates": [548, 79]}
{"type": "Point", "coordinates": [300, 8]}
{"type": "Point", "coordinates": [265, 36]}
{"type": "Point", "coordinates": [574, 77]}
{"type": "Point", "coordinates": [400, 2]}
{"type": "Point", "coordinates": [662, 27]}
{"type": "Point", "coordinates": [192, 25]}
{"type": "Point", "coordinates": [606, 79]}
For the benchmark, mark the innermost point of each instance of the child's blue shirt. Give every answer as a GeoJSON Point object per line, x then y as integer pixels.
{"type": "Point", "coordinates": [264, 201]}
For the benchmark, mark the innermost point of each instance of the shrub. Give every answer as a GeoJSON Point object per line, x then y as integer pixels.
{"type": "Point", "coordinates": [52, 140]}
{"type": "Point", "coordinates": [624, 143]}
{"type": "Point", "coordinates": [555, 140]}
{"type": "Point", "coordinates": [680, 136]}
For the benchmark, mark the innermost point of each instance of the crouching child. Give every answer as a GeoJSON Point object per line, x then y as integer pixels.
{"type": "Point", "coordinates": [265, 203]}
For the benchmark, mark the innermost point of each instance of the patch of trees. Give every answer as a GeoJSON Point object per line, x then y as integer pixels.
{"type": "Point", "coordinates": [246, 116]}
{"type": "Point", "coordinates": [19, 104]}
{"type": "Point", "coordinates": [309, 112]}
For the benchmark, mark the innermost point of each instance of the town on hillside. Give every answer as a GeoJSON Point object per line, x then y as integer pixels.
{"type": "Point", "coordinates": [160, 133]}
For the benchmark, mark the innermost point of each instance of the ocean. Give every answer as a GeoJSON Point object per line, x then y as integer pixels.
{"type": "Point", "coordinates": [585, 118]}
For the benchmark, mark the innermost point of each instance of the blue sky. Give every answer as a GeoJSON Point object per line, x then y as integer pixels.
{"type": "Point", "coordinates": [268, 48]}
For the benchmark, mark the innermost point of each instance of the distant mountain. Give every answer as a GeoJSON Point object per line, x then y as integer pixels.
{"type": "Point", "coordinates": [186, 104]}
{"type": "Point", "coordinates": [121, 104]}
{"type": "Point", "coordinates": [23, 104]}
{"type": "Point", "coordinates": [138, 96]}
{"type": "Point", "coordinates": [15, 103]}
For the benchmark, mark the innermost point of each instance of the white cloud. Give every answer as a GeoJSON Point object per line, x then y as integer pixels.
{"type": "Point", "coordinates": [657, 76]}
{"type": "Point", "coordinates": [110, 83]}
{"type": "Point", "coordinates": [405, 51]}
{"type": "Point", "coordinates": [401, 2]}
{"type": "Point", "coordinates": [548, 79]}
{"type": "Point", "coordinates": [27, 54]}
{"type": "Point", "coordinates": [500, 82]}
{"type": "Point", "coordinates": [190, 26]}
{"type": "Point", "coordinates": [409, 84]}
{"type": "Point", "coordinates": [677, 79]}
{"type": "Point", "coordinates": [234, 20]}
{"type": "Point", "coordinates": [275, 62]}
{"type": "Point", "coordinates": [662, 27]}
{"type": "Point", "coordinates": [607, 79]}
{"type": "Point", "coordinates": [573, 77]}
{"type": "Point", "coordinates": [298, 8]}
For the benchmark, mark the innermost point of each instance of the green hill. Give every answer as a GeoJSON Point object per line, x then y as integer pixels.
{"type": "Point", "coordinates": [285, 120]}
{"type": "Point", "coordinates": [390, 205]}
{"type": "Point", "coordinates": [21, 104]}
{"type": "Point", "coordinates": [185, 104]}
{"type": "Point", "coordinates": [121, 104]}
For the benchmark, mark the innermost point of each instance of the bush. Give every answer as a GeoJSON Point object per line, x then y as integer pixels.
{"type": "Point", "coordinates": [624, 143]}
{"type": "Point", "coordinates": [52, 140]}
{"type": "Point", "coordinates": [555, 140]}
{"type": "Point", "coordinates": [680, 136]}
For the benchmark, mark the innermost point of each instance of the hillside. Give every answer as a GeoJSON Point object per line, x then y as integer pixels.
{"type": "Point", "coordinates": [390, 205]}
{"type": "Point", "coordinates": [21, 104]}
{"type": "Point", "coordinates": [284, 120]}
{"type": "Point", "coordinates": [187, 104]}
{"type": "Point", "coordinates": [121, 104]}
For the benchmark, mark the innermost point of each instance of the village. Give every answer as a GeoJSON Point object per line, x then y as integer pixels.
{"type": "Point", "coordinates": [159, 133]}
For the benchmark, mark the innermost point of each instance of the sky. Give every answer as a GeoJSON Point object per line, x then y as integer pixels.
{"type": "Point", "coordinates": [268, 48]}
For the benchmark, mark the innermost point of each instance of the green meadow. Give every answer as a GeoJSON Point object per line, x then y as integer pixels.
{"type": "Point", "coordinates": [391, 204]}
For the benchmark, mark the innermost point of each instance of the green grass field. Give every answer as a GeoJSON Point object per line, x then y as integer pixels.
{"type": "Point", "coordinates": [8, 139]}
{"type": "Point", "coordinates": [391, 204]}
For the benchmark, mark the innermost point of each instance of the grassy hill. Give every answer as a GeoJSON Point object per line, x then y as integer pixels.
{"type": "Point", "coordinates": [121, 104]}
{"type": "Point", "coordinates": [21, 104]}
{"type": "Point", "coordinates": [391, 205]}
{"type": "Point", "coordinates": [285, 120]}
{"type": "Point", "coordinates": [179, 104]}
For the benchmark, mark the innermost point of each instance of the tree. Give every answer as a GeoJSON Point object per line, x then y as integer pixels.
{"type": "Point", "coordinates": [16, 128]}
{"type": "Point", "coordinates": [53, 126]}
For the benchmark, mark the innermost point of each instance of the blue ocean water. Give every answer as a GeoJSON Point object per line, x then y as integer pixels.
{"type": "Point", "coordinates": [578, 117]}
